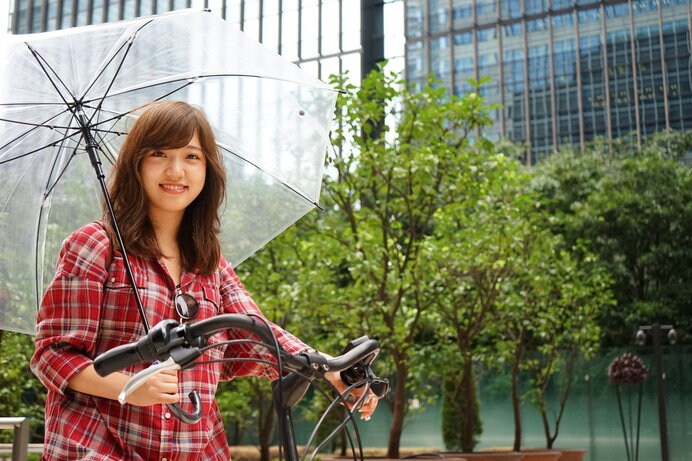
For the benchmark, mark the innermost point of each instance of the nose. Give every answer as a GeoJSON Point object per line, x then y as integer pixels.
{"type": "Point", "coordinates": [175, 168]}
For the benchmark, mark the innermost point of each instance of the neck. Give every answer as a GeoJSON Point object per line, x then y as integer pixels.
{"type": "Point", "coordinates": [166, 229]}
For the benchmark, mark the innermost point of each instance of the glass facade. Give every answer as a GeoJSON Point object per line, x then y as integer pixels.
{"type": "Point", "coordinates": [322, 36]}
{"type": "Point", "coordinates": [564, 71]}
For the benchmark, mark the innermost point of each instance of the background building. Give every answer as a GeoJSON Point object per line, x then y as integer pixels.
{"type": "Point", "coordinates": [322, 36]}
{"type": "Point", "coordinates": [563, 71]}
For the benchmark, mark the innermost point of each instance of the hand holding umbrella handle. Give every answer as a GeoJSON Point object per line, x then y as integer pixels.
{"type": "Point", "coordinates": [184, 416]}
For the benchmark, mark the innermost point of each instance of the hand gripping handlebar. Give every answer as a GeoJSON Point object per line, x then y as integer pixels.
{"type": "Point", "coordinates": [171, 345]}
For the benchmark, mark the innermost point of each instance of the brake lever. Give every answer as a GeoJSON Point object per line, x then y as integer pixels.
{"type": "Point", "coordinates": [179, 359]}
{"type": "Point", "coordinates": [141, 377]}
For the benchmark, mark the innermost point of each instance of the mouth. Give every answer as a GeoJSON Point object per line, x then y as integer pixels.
{"type": "Point", "coordinates": [173, 188]}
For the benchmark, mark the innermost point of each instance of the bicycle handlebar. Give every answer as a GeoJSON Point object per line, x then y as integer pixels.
{"type": "Point", "coordinates": [179, 345]}
{"type": "Point", "coordinates": [184, 341]}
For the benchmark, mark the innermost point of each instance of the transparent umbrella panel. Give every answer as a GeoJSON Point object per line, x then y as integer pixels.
{"type": "Point", "coordinates": [271, 120]}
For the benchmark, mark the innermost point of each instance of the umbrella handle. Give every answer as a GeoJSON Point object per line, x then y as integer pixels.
{"type": "Point", "coordinates": [184, 416]}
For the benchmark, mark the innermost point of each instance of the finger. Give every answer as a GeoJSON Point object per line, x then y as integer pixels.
{"type": "Point", "coordinates": [168, 372]}
{"type": "Point", "coordinates": [368, 408]}
{"type": "Point", "coordinates": [168, 375]}
{"type": "Point", "coordinates": [169, 398]}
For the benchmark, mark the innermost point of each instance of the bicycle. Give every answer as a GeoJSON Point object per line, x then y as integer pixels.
{"type": "Point", "coordinates": [171, 345]}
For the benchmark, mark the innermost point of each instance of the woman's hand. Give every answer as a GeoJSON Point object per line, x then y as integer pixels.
{"type": "Point", "coordinates": [369, 404]}
{"type": "Point", "coordinates": [159, 388]}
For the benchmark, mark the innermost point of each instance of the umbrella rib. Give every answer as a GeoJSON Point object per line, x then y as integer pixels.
{"type": "Point", "coordinates": [43, 63]}
{"type": "Point", "coordinates": [118, 116]}
{"type": "Point", "coordinates": [283, 183]}
{"type": "Point", "coordinates": [38, 149]}
{"type": "Point", "coordinates": [127, 48]}
{"type": "Point", "coordinates": [48, 189]}
{"type": "Point", "coordinates": [102, 140]}
{"type": "Point", "coordinates": [31, 104]}
{"type": "Point", "coordinates": [34, 126]}
{"type": "Point", "coordinates": [49, 186]}
{"type": "Point", "coordinates": [128, 44]}
{"type": "Point", "coordinates": [201, 76]}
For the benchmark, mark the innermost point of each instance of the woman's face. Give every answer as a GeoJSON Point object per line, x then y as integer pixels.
{"type": "Point", "coordinates": [173, 178]}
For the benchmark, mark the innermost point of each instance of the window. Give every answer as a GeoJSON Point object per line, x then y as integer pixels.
{"type": "Point", "coordinates": [463, 38]}
{"type": "Point", "coordinates": [483, 35]}
{"type": "Point", "coordinates": [462, 12]}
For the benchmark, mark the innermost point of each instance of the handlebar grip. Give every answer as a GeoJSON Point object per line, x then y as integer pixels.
{"type": "Point", "coordinates": [184, 416]}
{"type": "Point", "coordinates": [117, 358]}
{"type": "Point", "coordinates": [155, 345]}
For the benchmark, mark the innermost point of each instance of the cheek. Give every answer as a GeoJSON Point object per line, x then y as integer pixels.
{"type": "Point", "coordinates": [202, 174]}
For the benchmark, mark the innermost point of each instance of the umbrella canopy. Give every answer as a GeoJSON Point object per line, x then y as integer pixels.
{"type": "Point", "coordinates": [271, 120]}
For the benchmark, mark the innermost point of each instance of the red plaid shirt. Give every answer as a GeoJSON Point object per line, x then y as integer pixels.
{"type": "Point", "coordinates": [89, 309]}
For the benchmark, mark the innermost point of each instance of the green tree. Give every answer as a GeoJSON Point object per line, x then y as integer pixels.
{"type": "Point", "coordinates": [21, 393]}
{"type": "Point", "coordinates": [632, 208]}
{"type": "Point", "coordinates": [478, 240]}
{"type": "Point", "coordinates": [561, 300]}
{"type": "Point", "coordinates": [399, 156]}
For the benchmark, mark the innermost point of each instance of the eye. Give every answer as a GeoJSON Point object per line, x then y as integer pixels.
{"type": "Point", "coordinates": [194, 156]}
{"type": "Point", "coordinates": [157, 153]}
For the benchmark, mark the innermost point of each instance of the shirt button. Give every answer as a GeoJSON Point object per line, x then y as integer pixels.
{"type": "Point", "coordinates": [164, 459]}
{"type": "Point", "coordinates": [112, 279]}
{"type": "Point", "coordinates": [167, 416]}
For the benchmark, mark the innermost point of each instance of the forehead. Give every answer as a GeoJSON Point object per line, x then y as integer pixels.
{"type": "Point", "coordinates": [194, 142]}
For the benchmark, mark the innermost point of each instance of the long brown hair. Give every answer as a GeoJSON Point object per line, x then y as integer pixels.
{"type": "Point", "coordinates": [168, 125]}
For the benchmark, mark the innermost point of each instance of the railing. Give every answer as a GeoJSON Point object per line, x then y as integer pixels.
{"type": "Point", "coordinates": [20, 440]}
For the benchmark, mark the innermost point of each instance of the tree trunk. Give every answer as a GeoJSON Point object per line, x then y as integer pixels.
{"type": "Point", "coordinates": [266, 423]}
{"type": "Point", "coordinates": [516, 409]}
{"type": "Point", "coordinates": [398, 409]}
{"type": "Point", "coordinates": [469, 418]}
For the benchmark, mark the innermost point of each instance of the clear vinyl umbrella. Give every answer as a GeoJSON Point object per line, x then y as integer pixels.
{"type": "Point", "coordinates": [62, 91]}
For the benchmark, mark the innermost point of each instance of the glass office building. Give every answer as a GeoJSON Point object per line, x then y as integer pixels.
{"type": "Point", "coordinates": [322, 36]}
{"type": "Point", "coordinates": [564, 71]}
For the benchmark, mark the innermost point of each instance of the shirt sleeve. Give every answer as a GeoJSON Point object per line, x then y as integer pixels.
{"type": "Point", "coordinates": [236, 300]}
{"type": "Point", "coordinates": [68, 317]}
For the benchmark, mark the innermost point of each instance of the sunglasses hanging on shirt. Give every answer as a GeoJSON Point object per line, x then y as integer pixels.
{"type": "Point", "coordinates": [186, 306]}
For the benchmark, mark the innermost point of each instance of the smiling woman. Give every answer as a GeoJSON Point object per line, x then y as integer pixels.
{"type": "Point", "coordinates": [166, 190]}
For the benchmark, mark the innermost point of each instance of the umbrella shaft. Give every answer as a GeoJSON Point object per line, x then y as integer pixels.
{"type": "Point", "coordinates": [92, 149]}
{"type": "Point", "coordinates": [90, 143]}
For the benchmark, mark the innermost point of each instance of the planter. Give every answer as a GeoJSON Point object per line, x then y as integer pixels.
{"type": "Point", "coordinates": [434, 456]}
{"type": "Point", "coordinates": [405, 454]}
{"type": "Point", "coordinates": [541, 455]}
{"type": "Point", "coordinates": [490, 456]}
{"type": "Point", "coordinates": [448, 456]}
{"type": "Point", "coordinates": [571, 454]}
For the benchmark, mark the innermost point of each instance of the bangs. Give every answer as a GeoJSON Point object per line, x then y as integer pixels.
{"type": "Point", "coordinates": [171, 130]}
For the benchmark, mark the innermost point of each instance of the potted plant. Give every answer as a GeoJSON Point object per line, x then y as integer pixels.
{"type": "Point", "coordinates": [629, 371]}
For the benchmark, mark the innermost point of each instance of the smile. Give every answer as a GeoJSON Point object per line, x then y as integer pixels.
{"type": "Point", "coordinates": [173, 187]}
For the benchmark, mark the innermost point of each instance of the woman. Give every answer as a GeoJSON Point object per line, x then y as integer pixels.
{"type": "Point", "coordinates": [166, 189]}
